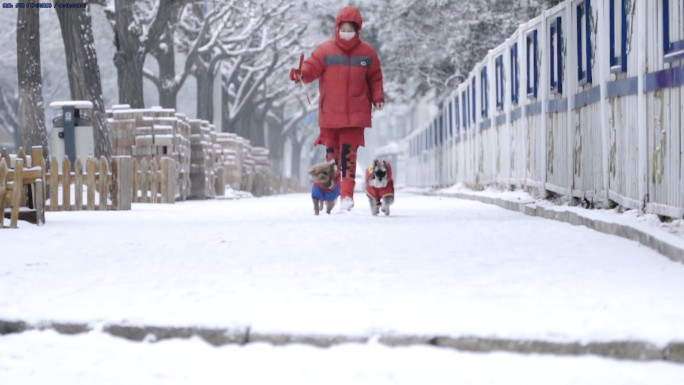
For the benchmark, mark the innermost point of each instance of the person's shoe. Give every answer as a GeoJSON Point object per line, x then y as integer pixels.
{"type": "Point", "coordinates": [347, 203]}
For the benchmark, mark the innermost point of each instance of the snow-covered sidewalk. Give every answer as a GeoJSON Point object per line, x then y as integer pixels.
{"type": "Point", "coordinates": [632, 217]}
{"type": "Point", "coordinates": [436, 266]}
{"type": "Point", "coordinates": [48, 358]}
{"type": "Point", "coordinates": [667, 237]}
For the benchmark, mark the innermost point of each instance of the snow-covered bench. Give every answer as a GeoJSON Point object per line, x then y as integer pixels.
{"type": "Point", "coordinates": [22, 186]}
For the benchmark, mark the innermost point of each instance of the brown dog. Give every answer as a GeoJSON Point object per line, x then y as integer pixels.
{"type": "Point", "coordinates": [324, 189]}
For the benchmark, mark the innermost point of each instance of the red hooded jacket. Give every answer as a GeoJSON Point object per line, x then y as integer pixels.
{"type": "Point", "coordinates": [350, 77]}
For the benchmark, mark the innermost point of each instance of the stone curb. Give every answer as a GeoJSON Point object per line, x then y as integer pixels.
{"type": "Point", "coordinates": [662, 246]}
{"type": "Point", "coordinates": [622, 350]}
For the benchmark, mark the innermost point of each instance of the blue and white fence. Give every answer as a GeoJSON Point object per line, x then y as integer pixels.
{"type": "Point", "coordinates": [585, 101]}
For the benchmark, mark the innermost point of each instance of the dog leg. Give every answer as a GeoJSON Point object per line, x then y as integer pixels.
{"type": "Point", "coordinates": [373, 206]}
{"type": "Point", "coordinates": [330, 205]}
{"type": "Point", "coordinates": [386, 202]}
{"type": "Point", "coordinates": [316, 206]}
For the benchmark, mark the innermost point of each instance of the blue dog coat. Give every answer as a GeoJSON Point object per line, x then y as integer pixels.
{"type": "Point", "coordinates": [320, 193]}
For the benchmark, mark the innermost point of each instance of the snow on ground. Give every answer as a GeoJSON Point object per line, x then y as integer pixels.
{"type": "Point", "coordinates": [492, 193]}
{"type": "Point", "coordinates": [48, 358]}
{"type": "Point", "coordinates": [648, 222]}
{"type": "Point", "coordinates": [436, 266]}
{"type": "Point", "coordinates": [235, 194]}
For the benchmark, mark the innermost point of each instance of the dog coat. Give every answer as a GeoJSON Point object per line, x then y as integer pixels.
{"type": "Point", "coordinates": [379, 193]}
{"type": "Point", "coordinates": [321, 193]}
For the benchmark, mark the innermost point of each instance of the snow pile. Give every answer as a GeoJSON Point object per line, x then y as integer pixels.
{"type": "Point", "coordinates": [675, 227]}
{"type": "Point", "coordinates": [632, 217]}
{"type": "Point", "coordinates": [492, 192]}
{"type": "Point", "coordinates": [235, 194]}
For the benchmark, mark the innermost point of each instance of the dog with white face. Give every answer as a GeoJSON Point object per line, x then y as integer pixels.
{"type": "Point", "coordinates": [380, 187]}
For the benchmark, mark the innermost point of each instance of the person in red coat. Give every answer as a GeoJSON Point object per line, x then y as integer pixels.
{"type": "Point", "coordinates": [350, 83]}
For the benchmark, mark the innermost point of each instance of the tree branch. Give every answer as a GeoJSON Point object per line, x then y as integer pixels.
{"type": "Point", "coordinates": [152, 77]}
{"type": "Point", "coordinates": [164, 10]}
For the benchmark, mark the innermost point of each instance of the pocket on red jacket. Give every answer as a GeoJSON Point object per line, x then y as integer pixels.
{"type": "Point", "coordinates": [360, 103]}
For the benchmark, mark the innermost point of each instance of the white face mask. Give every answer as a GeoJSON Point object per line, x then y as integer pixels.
{"type": "Point", "coordinates": [347, 35]}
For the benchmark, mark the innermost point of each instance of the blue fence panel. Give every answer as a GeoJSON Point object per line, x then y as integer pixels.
{"type": "Point", "coordinates": [584, 36]}
{"type": "Point", "coordinates": [515, 74]}
{"type": "Point", "coordinates": [556, 56]}
{"type": "Point", "coordinates": [532, 68]}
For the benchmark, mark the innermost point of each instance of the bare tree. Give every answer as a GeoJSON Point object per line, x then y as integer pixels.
{"type": "Point", "coordinates": [282, 125]}
{"type": "Point", "coordinates": [167, 81]}
{"type": "Point", "coordinates": [241, 38]}
{"type": "Point", "coordinates": [137, 26]}
{"type": "Point", "coordinates": [31, 107]}
{"type": "Point", "coordinates": [54, 78]}
{"type": "Point", "coordinates": [258, 82]}
{"type": "Point", "coordinates": [434, 44]}
{"type": "Point", "coordinates": [84, 71]}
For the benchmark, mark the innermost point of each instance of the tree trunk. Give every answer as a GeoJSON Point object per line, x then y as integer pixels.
{"type": "Point", "coordinates": [31, 107]}
{"type": "Point", "coordinates": [249, 124]}
{"type": "Point", "coordinates": [205, 93]}
{"type": "Point", "coordinates": [257, 129]}
{"type": "Point", "coordinates": [168, 90]}
{"type": "Point", "coordinates": [84, 71]}
{"type": "Point", "coordinates": [242, 124]}
{"type": "Point", "coordinates": [276, 142]}
{"type": "Point", "coordinates": [9, 117]}
{"type": "Point", "coordinates": [258, 117]}
{"type": "Point", "coordinates": [130, 54]}
{"type": "Point", "coordinates": [226, 124]}
{"type": "Point", "coordinates": [165, 54]}
{"type": "Point", "coordinates": [296, 158]}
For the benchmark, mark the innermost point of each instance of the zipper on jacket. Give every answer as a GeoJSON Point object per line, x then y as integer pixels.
{"type": "Point", "coordinates": [349, 96]}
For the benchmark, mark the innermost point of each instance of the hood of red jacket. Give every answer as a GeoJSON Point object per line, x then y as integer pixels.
{"type": "Point", "coordinates": [348, 14]}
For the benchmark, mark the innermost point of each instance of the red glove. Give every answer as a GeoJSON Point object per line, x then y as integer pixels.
{"type": "Point", "coordinates": [296, 75]}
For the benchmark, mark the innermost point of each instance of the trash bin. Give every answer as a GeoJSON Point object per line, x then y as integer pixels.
{"type": "Point", "coordinates": [72, 133]}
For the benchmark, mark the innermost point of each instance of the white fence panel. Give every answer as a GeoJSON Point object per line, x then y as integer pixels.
{"type": "Point", "coordinates": [585, 100]}
{"type": "Point", "coordinates": [623, 104]}
{"type": "Point", "coordinates": [557, 137]}
{"type": "Point", "coordinates": [664, 106]}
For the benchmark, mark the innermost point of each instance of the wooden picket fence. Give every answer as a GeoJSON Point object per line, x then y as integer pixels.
{"type": "Point", "coordinates": [126, 181]}
{"type": "Point", "coordinates": [102, 185]}
{"type": "Point", "coordinates": [154, 182]}
{"type": "Point", "coordinates": [96, 178]}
